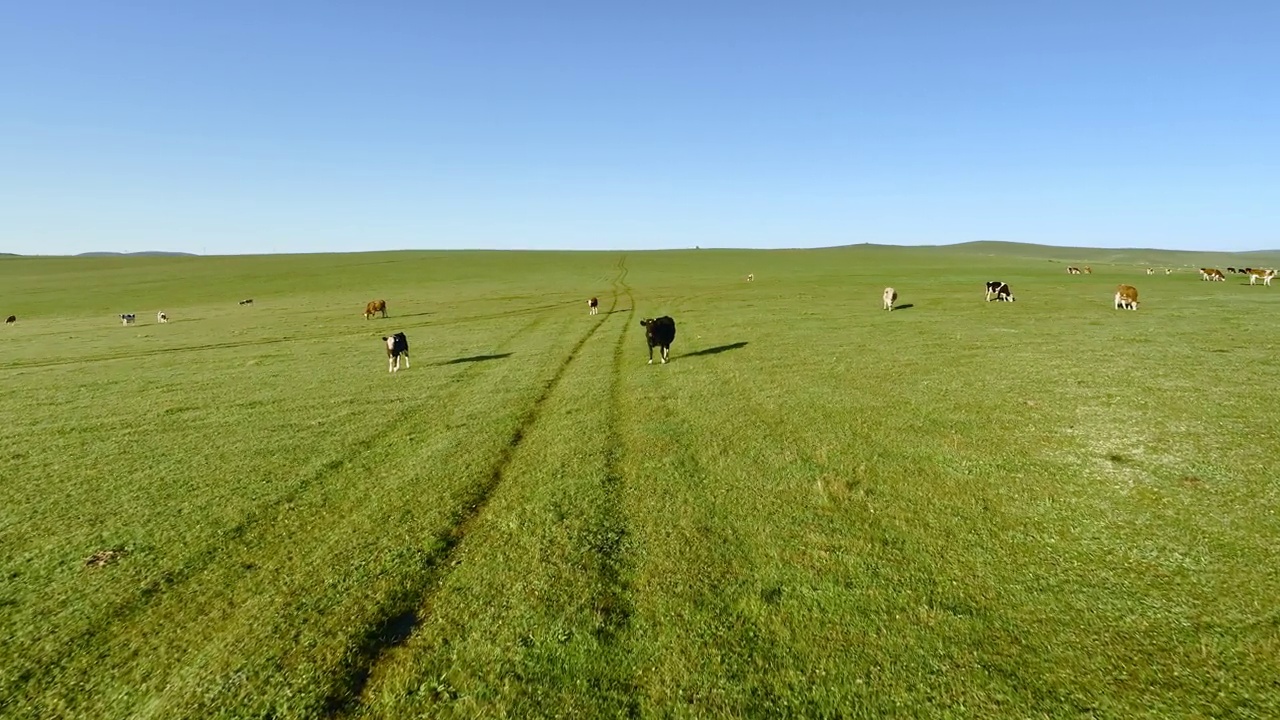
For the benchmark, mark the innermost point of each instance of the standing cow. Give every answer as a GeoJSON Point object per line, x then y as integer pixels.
{"type": "Point", "coordinates": [374, 307]}
{"type": "Point", "coordinates": [889, 296]}
{"type": "Point", "coordinates": [162, 317]}
{"type": "Point", "coordinates": [659, 332]}
{"type": "Point", "coordinates": [1126, 297]}
{"type": "Point", "coordinates": [11, 320]}
{"type": "Point", "coordinates": [1256, 274]}
{"type": "Point", "coordinates": [397, 345]}
{"type": "Point", "coordinates": [999, 291]}
{"type": "Point", "coordinates": [594, 305]}
{"type": "Point", "coordinates": [128, 318]}
{"type": "Point", "coordinates": [1073, 271]}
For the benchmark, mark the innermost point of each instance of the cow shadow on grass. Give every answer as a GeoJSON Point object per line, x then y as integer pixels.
{"type": "Point", "coordinates": [716, 350]}
{"type": "Point", "coordinates": [475, 358]}
{"type": "Point", "coordinates": [903, 307]}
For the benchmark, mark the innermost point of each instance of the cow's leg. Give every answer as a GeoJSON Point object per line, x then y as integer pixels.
{"type": "Point", "coordinates": [665, 351]}
{"type": "Point", "coordinates": [406, 359]}
{"type": "Point", "coordinates": [650, 355]}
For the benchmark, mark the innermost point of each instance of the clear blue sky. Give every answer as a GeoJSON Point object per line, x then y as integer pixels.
{"type": "Point", "coordinates": [278, 126]}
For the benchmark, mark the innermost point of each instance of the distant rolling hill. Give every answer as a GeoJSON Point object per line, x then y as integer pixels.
{"type": "Point", "coordinates": [1139, 256]}
{"type": "Point", "coordinates": [145, 253]}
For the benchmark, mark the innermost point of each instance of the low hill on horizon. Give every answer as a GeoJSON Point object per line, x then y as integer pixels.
{"type": "Point", "coordinates": [144, 253]}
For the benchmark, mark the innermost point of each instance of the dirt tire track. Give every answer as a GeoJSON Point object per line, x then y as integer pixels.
{"type": "Point", "coordinates": [223, 539]}
{"type": "Point", "coordinates": [612, 602]}
{"type": "Point", "coordinates": [407, 609]}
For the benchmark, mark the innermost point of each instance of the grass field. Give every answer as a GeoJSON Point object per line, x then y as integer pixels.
{"type": "Point", "coordinates": [1047, 508]}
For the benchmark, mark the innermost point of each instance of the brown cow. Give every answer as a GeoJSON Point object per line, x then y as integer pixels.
{"type": "Point", "coordinates": [1212, 274]}
{"type": "Point", "coordinates": [1265, 275]}
{"type": "Point", "coordinates": [1088, 270]}
{"type": "Point", "coordinates": [376, 306]}
{"type": "Point", "coordinates": [1126, 297]}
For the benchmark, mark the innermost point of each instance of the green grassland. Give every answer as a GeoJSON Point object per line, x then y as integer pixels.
{"type": "Point", "coordinates": [1047, 508]}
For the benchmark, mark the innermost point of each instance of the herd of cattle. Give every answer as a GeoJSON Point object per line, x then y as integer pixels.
{"type": "Point", "coordinates": [1255, 274]}
{"type": "Point", "coordinates": [661, 332]}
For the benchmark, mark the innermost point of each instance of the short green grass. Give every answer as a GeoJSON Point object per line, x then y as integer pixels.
{"type": "Point", "coordinates": [1048, 508]}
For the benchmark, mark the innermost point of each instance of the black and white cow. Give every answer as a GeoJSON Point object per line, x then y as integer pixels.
{"type": "Point", "coordinates": [11, 320]}
{"type": "Point", "coordinates": [247, 302]}
{"type": "Point", "coordinates": [997, 290]}
{"type": "Point", "coordinates": [128, 318]}
{"type": "Point", "coordinates": [397, 345]}
{"type": "Point", "coordinates": [162, 317]}
{"type": "Point", "coordinates": [660, 333]}
{"type": "Point", "coordinates": [594, 306]}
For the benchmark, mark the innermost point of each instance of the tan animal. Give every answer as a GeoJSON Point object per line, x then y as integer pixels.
{"type": "Point", "coordinates": [750, 277]}
{"type": "Point", "coordinates": [1073, 271]}
{"type": "Point", "coordinates": [1265, 275]}
{"type": "Point", "coordinates": [890, 295]}
{"type": "Point", "coordinates": [1212, 274]}
{"type": "Point", "coordinates": [1168, 271]}
{"type": "Point", "coordinates": [1088, 270]}
{"type": "Point", "coordinates": [1126, 297]}
{"type": "Point", "coordinates": [1151, 271]}
{"type": "Point", "coordinates": [374, 307]}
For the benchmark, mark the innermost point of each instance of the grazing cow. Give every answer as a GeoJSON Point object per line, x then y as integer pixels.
{"type": "Point", "coordinates": [1232, 270]}
{"type": "Point", "coordinates": [1073, 271]}
{"type": "Point", "coordinates": [1088, 270]}
{"type": "Point", "coordinates": [247, 302]}
{"type": "Point", "coordinates": [750, 277]}
{"type": "Point", "coordinates": [1126, 297]}
{"type": "Point", "coordinates": [999, 291]}
{"type": "Point", "coordinates": [594, 304]}
{"type": "Point", "coordinates": [161, 317]}
{"type": "Point", "coordinates": [659, 333]}
{"type": "Point", "coordinates": [1216, 275]}
{"type": "Point", "coordinates": [11, 320]}
{"type": "Point", "coordinates": [374, 307]}
{"type": "Point", "coordinates": [1265, 275]}
{"type": "Point", "coordinates": [1168, 271]}
{"type": "Point", "coordinates": [1247, 271]}
{"type": "Point", "coordinates": [889, 296]}
{"type": "Point", "coordinates": [127, 318]}
{"type": "Point", "coordinates": [1151, 271]}
{"type": "Point", "coordinates": [397, 345]}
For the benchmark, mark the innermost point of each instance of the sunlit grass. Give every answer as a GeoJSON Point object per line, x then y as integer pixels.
{"type": "Point", "coordinates": [818, 508]}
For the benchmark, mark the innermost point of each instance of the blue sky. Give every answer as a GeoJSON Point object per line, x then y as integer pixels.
{"type": "Point", "coordinates": [235, 126]}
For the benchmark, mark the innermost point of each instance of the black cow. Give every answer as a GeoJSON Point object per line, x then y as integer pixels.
{"type": "Point", "coordinates": [11, 320]}
{"type": "Point", "coordinates": [659, 333]}
{"type": "Point", "coordinates": [998, 290]}
{"type": "Point", "coordinates": [247, 302]}
{"type": "Point", "coordinates": [397, 345]}
{"type": "Point", "coordinates": [128, 318]}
